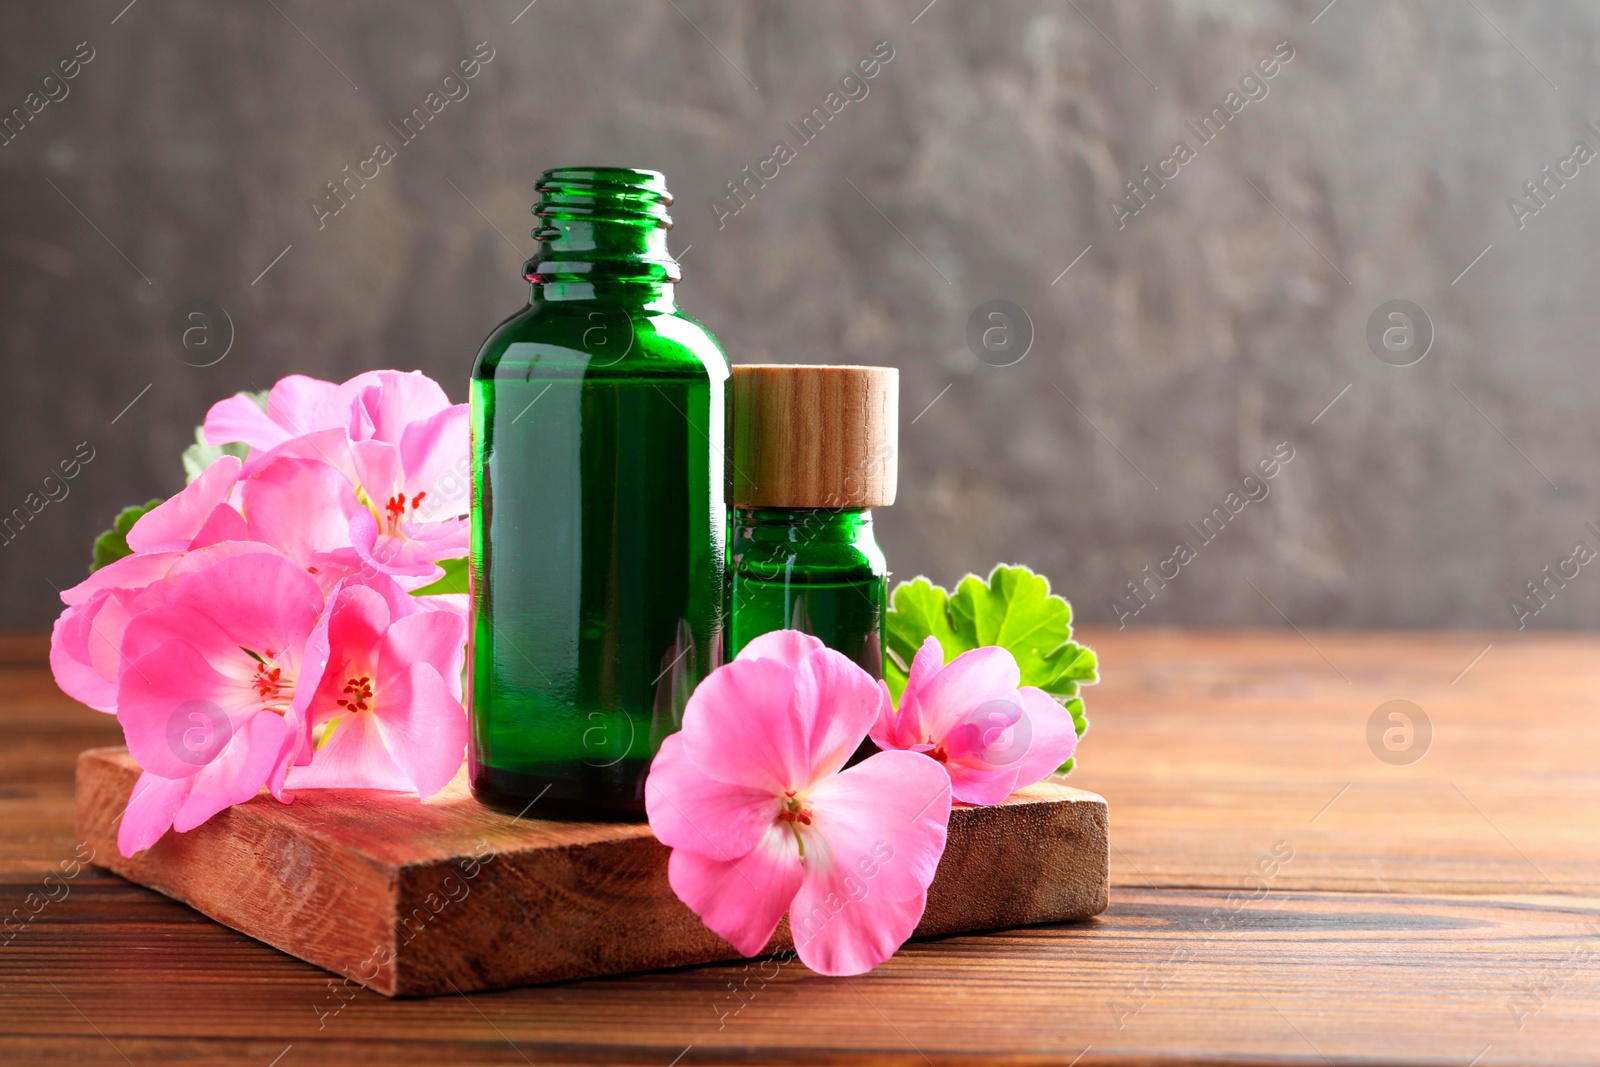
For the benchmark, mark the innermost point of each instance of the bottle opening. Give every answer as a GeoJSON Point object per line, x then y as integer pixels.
{"type": "Point", "coordinates": [602, 223]}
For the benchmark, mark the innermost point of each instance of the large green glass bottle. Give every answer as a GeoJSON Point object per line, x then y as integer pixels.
{"type": "Point", "coordinates": [598, 516]}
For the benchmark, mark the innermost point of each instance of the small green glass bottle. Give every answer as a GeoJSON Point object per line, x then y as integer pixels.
{"type": "Point", "coordinates": [598, 517]}
{"type": "Point", "coordinates": [813, 453]}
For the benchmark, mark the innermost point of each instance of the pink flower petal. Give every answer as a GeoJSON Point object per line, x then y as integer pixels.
{"type": "Point", "coordinates": [883, 820]}
{"type": "Point", "coordinates": [149, 813]}
{"type": "Point", "coordinates": [837, 702]}
{"type": "Point", "coordinates": [177, 711]}
{"type": "Point", "coordinates": [295, 401]}
{"type": "Point", "coordinates": [946, 698]}
{"type": "Point", "coordinates": [129, 572]}
{"type": "Point", "coordinates": [261, 601]}
{"type": "Point", "coordinates": [353, 758]}
{"type": "Point", "coordinates": [928, 662]}
{"type": "Point", "coordinates": [974, 782]}
{"type": "Point", "coordinates": [313, 669]}
{"type": "Point", "coordinates": [903, 727]}
{"type": "Point", "coordinates": [240, 418]}
{"type": "Point", "coordinates": [740, 900]}
{"type": "Point", "coordinates": [858, 936]}
{"type": "Point", "coordinates": [72, 657]}
{"type": "Point", "coordinates": [300, 506]}
{"type": "Point", "coordinates": [727, 820]}
{"type": "Point", "coordinates": [173, 524]}
{"type": "Point", "coordinates": [430, 448]}
{"type": "Point", "coordinates": [1053, 737]}
{"type": "Point", "coordinates": [877, 833]}
{"type": "Point", "coordinates": [354, 624]}
{"type": "Point", "coordinates": [387, 401]}
{"type": "Point", "coordinates": [329, 446]}
{"type": "Point", "coordinates": [738, 727]}
{"type": "Point", "coordinates": [785, 646]}
{"type": "Point", "coordinates": [224, 524]}
{"type": "Point", "coordinates": [401, 556]}
{"type": "Point", "coordinates": [423, 726]}
{"type": "Point", "coordinates": [237, 774]}
{"type": "Point", "coordinates": [437, 638]}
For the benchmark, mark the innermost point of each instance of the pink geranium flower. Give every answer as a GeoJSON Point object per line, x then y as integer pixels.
{"type": "Point", "coordinates": [395, 438]}
{"type": "Point", "coordinates": [302, 507]}
{"type": "Point", "coordinates": [761, 818]}
{"type": "Point", "coordinates": [389, 703]}
{"type": "Point", "coordinates": [377, 405]}
{"type": "Point", "coordinates": [970, 716]}
{"type": "Point", "coordinates": [85, 646]}
{"type": "Point", "coordinates": [214, 689]}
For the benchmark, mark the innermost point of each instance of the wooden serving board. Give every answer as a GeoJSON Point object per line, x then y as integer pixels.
{"type": "Point", "coordinates": [418, 898]}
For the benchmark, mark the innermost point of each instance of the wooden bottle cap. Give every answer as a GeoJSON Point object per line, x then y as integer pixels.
{"type": "Point", "coordinates": [814, 437]}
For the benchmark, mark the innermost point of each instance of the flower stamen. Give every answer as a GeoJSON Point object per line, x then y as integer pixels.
{"type": "Point", "coordinates": [267, 683]}
{"type": "Point", "coordinates": [796, 814]}
{"type": "Point", "coordinates": [360, 693]}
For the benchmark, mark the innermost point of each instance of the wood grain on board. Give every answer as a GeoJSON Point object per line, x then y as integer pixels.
{"type": "Point", "coordinates": [422, 898]}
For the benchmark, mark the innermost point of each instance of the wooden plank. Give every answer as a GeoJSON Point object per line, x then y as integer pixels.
{"type": "Point", "coordinates": [1210, 747]}
{"type": "Point", "coordinates": [1168, 976]}
{"type": "Point", "coordinates": [419, 898]}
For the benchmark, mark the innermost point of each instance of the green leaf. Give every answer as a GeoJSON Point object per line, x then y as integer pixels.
{"type": "Point", "coordinates": [1016, 610]}
{"type": "Point", "coordinates": [1013, 609]}
{"type": "Point", "coordinates": [200, 455]}
{"type": "Point", "coordinates": [919, 608]}
{"type": "Point", "coordinates": [454, 580]}
{"type": "Point", "coordinates": [112, 545]}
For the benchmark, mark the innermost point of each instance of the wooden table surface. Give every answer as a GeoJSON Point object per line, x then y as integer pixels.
{"type": "Point", "coordinates": [1280, 894]}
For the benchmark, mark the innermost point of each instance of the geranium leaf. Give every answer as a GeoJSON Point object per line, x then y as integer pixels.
{"type": "Point", "coordinates": [1013, 609]}
{"type": "Point", "coordinates": [1016, 610]}
{"type": "Point", "coordinates": [919, 609]}
{"type": "Point", "coordinates": [112, 545]}
{"type": "Point", "coordinates": [454, 580]}
{"type": "Point", "coordinates": [200, 455]}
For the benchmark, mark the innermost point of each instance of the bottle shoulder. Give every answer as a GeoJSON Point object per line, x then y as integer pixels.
{"type": "Point", "coordinates": [596, 339]}
{"type": "Point", "coordinates": [858, 559]}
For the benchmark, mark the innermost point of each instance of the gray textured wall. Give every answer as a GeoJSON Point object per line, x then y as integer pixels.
{"type": "Point", "coordinates": [1177, 351]}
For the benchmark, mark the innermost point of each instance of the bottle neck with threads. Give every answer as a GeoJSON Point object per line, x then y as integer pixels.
{"type": "Point", "coordinates": [602, 236]}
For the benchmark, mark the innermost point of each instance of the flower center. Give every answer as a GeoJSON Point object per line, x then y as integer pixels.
{"type": "Point", "coordinates": [396, 508]}
{"type": "Point", "coordinates": [268, 681]}
{"type": "Point", "coordinates": [358, 694]}
{"type": "Point", "coordinates": [796, 814]}
{"type": "Point", "coordinates": [938, 753]}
